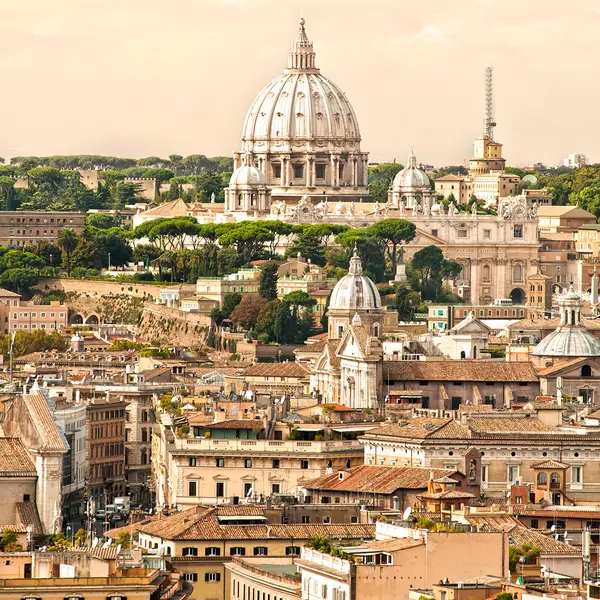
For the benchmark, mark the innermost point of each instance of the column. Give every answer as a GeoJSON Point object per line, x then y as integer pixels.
{"type": "Point", "coordinates": [313, 173]}
{"type": "Point", "coordinates": [308, 167]}
{"type": "Point", "coordinates": [354, 172]}
{"type": "Point", "coordinates": [474, 281]}
{"type": "Point", "coordinates": [334, 172]}
{"type": "Point", "coordinates": [288, 171]}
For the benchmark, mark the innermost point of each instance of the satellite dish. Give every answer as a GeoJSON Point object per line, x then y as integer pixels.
{"type": "Point", "coordinates": [531, 179]}
{"type": "Point", "coordinates": [407, 512]}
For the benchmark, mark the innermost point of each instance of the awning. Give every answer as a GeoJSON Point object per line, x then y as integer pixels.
{"type": "Point", "coordinates": [310, 428]}
{"type": "Point", "coordinates": [354, 428]}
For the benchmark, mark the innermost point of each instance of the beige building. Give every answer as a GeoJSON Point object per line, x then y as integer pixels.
{"type": "Point", "coordinates": [566, 219]}
{"type": "Point", "coordinates": [28, 228]}
{"type": "Point", "coordinates": [255, 577]}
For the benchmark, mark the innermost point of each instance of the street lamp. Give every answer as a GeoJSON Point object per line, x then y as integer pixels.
{"type": "Point", "coordinates": [70, 533]}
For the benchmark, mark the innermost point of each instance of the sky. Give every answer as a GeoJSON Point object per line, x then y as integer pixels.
{"type": "Point", "coordinates": [151, 78]}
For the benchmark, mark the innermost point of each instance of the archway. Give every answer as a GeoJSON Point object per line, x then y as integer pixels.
{"type": "Point", "coordinates": [92, 320]}
{"type": "Point", "coordinates": [76, 319]}
{"type": "Point", "coordinates": [517, 296]}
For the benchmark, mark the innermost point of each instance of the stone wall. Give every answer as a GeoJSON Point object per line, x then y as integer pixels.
{"type": "Point", "coordinates": [173, 327]}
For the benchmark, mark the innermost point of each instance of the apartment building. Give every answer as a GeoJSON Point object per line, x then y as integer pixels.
{"type": "Point", "coordinates": [27, 228]}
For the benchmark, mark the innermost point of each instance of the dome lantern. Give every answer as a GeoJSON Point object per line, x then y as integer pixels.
{"type": "Point", "coordinates": [302, 56]}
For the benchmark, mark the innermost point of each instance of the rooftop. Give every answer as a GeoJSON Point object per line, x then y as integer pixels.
{"type": "Point", "coordinates": [284, 369]}
{"type": "Point", "coordinates": [14, 459]}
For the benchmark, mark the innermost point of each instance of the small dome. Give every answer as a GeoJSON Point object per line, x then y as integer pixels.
{"type": "Point", "coordinates": [411, 177]}
{"type": "Point", "coordinates": [355, 290]}
{"type": "Point", "coordinates": [247, 175]}
{"type": "Point", "coordinates": [569, 342]}
{"type": "Point", "coordinates": [570, 338]}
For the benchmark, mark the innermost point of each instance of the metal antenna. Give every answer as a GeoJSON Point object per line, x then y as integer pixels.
{"type": "Point", "coordinates": [489, 104]}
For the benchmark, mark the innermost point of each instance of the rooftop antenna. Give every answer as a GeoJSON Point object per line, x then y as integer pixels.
{"type": "Point", "coordinates": [489, 103]}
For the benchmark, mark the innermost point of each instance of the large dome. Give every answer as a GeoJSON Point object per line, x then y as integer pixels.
{"type": "Point", "coordinates": [355, 290]}
{"type": "Point", "coordinates": [300, 103]}
{"type": "Point", "coordinates": [411, 177]}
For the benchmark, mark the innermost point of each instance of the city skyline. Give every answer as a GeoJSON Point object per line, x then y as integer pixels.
{"type": "Point", "coordinates": [142, 80]}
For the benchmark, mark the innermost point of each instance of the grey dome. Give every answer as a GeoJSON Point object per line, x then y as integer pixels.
{"type": "Point", "coordinates": [411, 176]}
{"type": "Point", "coordinates": [569, 341]}
{"type": "Point", "coordinates": [247, 175]}
{"type": "Point", "coordinates": [355, 290]}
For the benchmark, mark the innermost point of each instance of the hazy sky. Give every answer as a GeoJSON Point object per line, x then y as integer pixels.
{"type": "Point", "coordinates": [147, 77]}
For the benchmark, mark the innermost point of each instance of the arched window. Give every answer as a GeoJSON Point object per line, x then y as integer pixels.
{"type": "Point", "coordinates": [518, 273]}
{"type": "Point", "coordinates": [340, 330]}
{"type": "Point", "coordinates": [542, 479]}
{"type": "Point", "coordinates": [555, 480]}
{"type": "Point", "coordinates": [586, 371]}
{"type": "Point", "coordinates": [486, 273]}
{"type": "Point", "coordinates": [462, 354]}
{"type": "Point", "coordinates": [240, 199]}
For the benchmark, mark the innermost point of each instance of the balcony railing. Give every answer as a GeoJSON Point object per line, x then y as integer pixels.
{"type": "Point", "coordinates": [267, 446]}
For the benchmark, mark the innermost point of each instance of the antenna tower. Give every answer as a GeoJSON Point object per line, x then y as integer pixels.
{"type": "Point", "coordinates": [489, 104]}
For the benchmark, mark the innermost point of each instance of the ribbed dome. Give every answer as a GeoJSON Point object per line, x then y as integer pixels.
{"type": "Point", "coordinates": [570, 338]}
{"type": "Point", "coordinates": [354, 290]}
{"type": "Point", "coordinates": [569, 341]}
{"type": "Point", "coordinates": [300, 103]}
{"type": "Point", "coordinates": [411, 176]}
{"type": "Point", "coordinates": [247, 175]}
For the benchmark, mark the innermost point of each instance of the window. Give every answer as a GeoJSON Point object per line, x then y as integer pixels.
{"type": "Point", "coordinates": [292, 551]}
{"type": "Point", "coordinates": [192, 488]}
{"type": "Point", "coordinates": [542, 479]}
{"type": "Point", "coordinates": [277, 170]}
{"type": "Point", "coordinates": [326, 520]}
{"type": "Point", "coordinates": [434, 232]}
{"type": "Point", "coordinates": [212, 551]}
{"type": "Point", "coordinates": [298, 171]}
{"type": "Point", "coordinates": [247, 489]}
{"type": "Point", "coordinates": [461, 233]}
{"type": "Point", "coordinates": [513, 473]}
{"type": "Point", "coordinates": [220, 489]}
{"type": "Point", "coordinates": [238, 551]}
{"type": "Point", "coordinates": [275, 488]}
{"type": "Point", "coordinates": [518, 273]}
{"type": "Point", "coordinates": [212, 577]}
{"type": "Point", "coordinates": [261, 551]}
{"type": "Point", "coordinates": [276, 463]}
{"type": "Point", "coordinates": [586, 371]}
{"type": "Point", "coordinates": [304, 464]}
{"type": "Point", "coordinates": [247, 463]}
{"type": "Point", "coordinates": [576, 476]}
{"type": "Point", "coordinates": [487, 233]}
{"type": "Point", "coordinates": [192, 461]}
{"type": "Point", "coordinates": [518, 231]}
{"type": "Point", "coordinates": [353, 519]}
{"type": "Point", "coordinates": [305, 520]}
{"type": "Point", "coordinates": [190, 577]}
{"type": "Point", "coordinates": [189, 552]}
{"type": "Point", "coordinates": [534, 523]}
{"type": "Point", "coordinates": [220, 462]}
{"type": "Point", "coordinates": [486, 273]}
{"type": "Point", "coordinates": [320, 171]}
{"type": "Point", "coordinates": [326, 500]}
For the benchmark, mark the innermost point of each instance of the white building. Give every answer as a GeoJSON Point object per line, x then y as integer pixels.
{"type": "Point", "coordinates": [575, 161]}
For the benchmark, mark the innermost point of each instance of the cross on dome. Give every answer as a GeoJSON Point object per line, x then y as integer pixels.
{"type": "Point", "coordinates": [355, 263]}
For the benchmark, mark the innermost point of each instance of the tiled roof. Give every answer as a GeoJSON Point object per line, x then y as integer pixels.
{"type": "Point", "coordinates": [285, 369]}
{"type": "Point", "coordinates": [448, 495]}
{"type": "Point", "coordinates": [567, 364]}
{"type": "Point", "coordinates": [550, 464]}
{"type": "Point", "coordinates": [20, 528]}
{"type": "Point", "coordinates": [508, 425]}
{"type": "Point", "coordinates": [547, 544]}
{"type": "Point", "coordinates": [463, 370]}
{"type": "Point", "coordinates": [102, 553]}
{"type": "Point", "coordinates": [394, 544]}
{"type": "Point", "coordinates": [28, 515]}
{"type": "Point", "coordinates": [492, 523]}
{"type": "Point", "coordinates": [315, 347]}
{"type": "Point", "coordinates": [6, 293]}
{"type": "Point", "coordinates": [14, 459]}
{"type": "Point", "coordinates": [41, 415]}
{"type": "Point", "coordinates": [377, 480]}
{"type": "Point", "coordinates": [239, 510]}
{"type": "Point", "coordinates": [199, 524]}
{"type": "Point", "coordinates": [154, 373]}
{"type": "Point", "coordinates": [176, 208]}
{"type": "Point", "coordinates": [550, 324]}
{"type": "Point", "coordinates": [422, 428]}
{"type": "Point", "coordinates": [551, 513]}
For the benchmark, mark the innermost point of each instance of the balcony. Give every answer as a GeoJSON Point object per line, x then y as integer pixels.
{"type": "Point", "coordinates": [198, 445]}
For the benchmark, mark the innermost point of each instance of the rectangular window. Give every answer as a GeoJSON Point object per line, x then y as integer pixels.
{"type": "Point", "coordinates": [193, 577]}
{"type": "Point", "coordinates": [534, 523]}
{"type": "Point", "coordinates": [212, 551]}
{"type": "Point", "coordinates": [487, 233]}
{"type": "Point", "coordinates": [326, 500]}
{"type": "Point", "coordinates": [276, 170]}
{"type": "Point", "coordinates": [518, 232]}
{"type": "Point", "coordinates": [298, 171]}
{"type": "Point", "coordinates": [237, 551]}
{"type": "Point", "coordinates": [220, 489]}
{"type": "Point", "coordinates": [212, 577]}
{"type": "Point", "coordinates": [189, 552]}
{"type": "Point", "coordinates": [513, 473]}
{"type": "Point", "coordinates": [192, 461]}
{"type": "Point", "coordinates": [304, 464]}
{"type": "Point", "coordinates": [261, 551]}
{"type": "Point", "coordinates": [576, 476]}
{"type": "Point", "coordinates": [305, 520]}
{"type": "Point", "coordinates": [192, 488]}
{"type": "Point", "coordinates": [326, 520]}
{"type": "Point", "coordinates": [461, 233]}
{"type": "Point", "coordinates": [320, 171]}
{"type": "Point", "coordinates": [275, 488]}
{"type": "Point", "coordinates": [247, 463]}
{"type": "Point", "coordinates": [220, 462]}
{"type": "Point", "coordinates": [292, 551]}
{"type": "Point", "coordinates": [276, 463]}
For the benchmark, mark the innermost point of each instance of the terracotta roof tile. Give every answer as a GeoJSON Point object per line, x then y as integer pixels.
{"type": "Point", "coordinates": [422, 428]}
{"type": "Point", "coordinates": [547, 544]}
{"type": "Point", "coordinates": [377, 480]}
{"type": "Point", "coordinates": [28, 515]}
{"type": "Point", "coordinates": [463, 370]}
{"type": "Point", "coordinates": [40, 413]}
{"type": "Point", "coordinates": [550, 464]}
{"type": "Point", "coordinates": [236, 424]}
{"type": "Point", "coordinates": [14, 459]}
{"type": "Point", "coordinates": [492, 523]}
{"type": "Point", "coordinates": [504, 424]}
{"type": "Point", "coordinates": [285, 369]}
